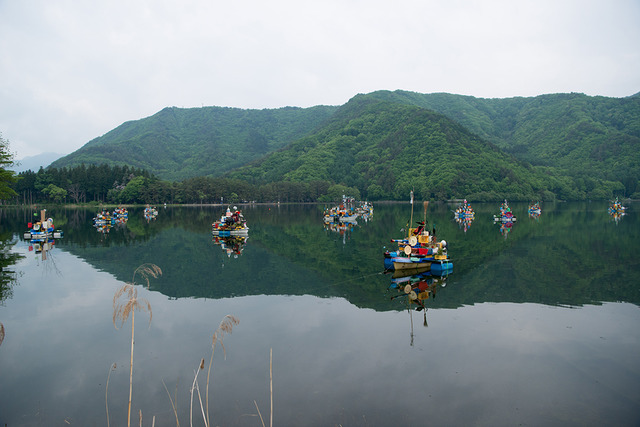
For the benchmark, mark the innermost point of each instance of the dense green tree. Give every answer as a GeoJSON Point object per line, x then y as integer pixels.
{"type": "Point", "coordinates": [55, 193]}
{"type": "Point", "coordinates": [7, 177]}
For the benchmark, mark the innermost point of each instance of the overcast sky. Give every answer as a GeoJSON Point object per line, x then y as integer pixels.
{"type": "Point", "coordinates": [73, 70]}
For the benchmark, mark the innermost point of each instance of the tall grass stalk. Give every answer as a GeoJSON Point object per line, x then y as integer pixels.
{"type": "Point", "coordinates": [175, 411]}
{"type": "Point", "coordinates": [125, 303]}
{"type": "Point", "coordinates": [226, 326]}
{"type": "Point", "coordinates": [271, 382]}
{"type": "Point", "coordinates": [195, 386]}
{"type": "Point", "coordinates": [106, 391]}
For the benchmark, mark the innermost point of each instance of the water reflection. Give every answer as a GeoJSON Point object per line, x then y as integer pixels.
{"type": "Point", "coordinates": [464, 223]}
{"type": "Point", "coordinates": [231, 245]}
{"type": "Point", "coordinates": [342, 228]}
{"type": "Point", "coordinates": [417, 288]}
{"type": "Point", "coordinates": [414, 291]}
{"type": "Point", "coordinates": [293, 255]}
{"type": "Point", "coordinates": [503, 303]}
{"type": "Point", "coordinates": [8, 258]}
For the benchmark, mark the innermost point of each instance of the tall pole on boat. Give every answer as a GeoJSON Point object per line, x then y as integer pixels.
{"type": "Point", "coordinates": [411, 220]}
{"type": "Point", "coordinates": [426, 205]}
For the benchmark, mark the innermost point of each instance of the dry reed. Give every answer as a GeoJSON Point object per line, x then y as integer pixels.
{"type": "Point", "coordinates": [125, 303]}
{"type": "Point", "coordinates": [106, 391]}
{"type": "Point", "coordinates": [1, 333]}
{"type": "Point", "coordinates": [226, 326]}
{"type": "Point", "coordinates": [173, 406]}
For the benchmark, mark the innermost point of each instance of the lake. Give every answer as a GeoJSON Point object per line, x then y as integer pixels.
{"type": "Point", "coordinates": [538, 324]}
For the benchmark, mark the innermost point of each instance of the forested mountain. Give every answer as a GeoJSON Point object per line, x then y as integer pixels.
{"type": "Point", "coordinates": [567, 146]}
{"type": "Point", "coordinates": [384, 149]}
{"type": "Point", "coordinates": [178, 143]}
{"type": "Point", "coordinates": [584, 136]}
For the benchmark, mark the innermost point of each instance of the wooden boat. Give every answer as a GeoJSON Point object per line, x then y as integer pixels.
{"type": "Point", "coordinates": [230, 224]}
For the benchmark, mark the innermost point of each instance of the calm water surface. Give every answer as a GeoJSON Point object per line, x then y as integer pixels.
{"type": "Point", "coordinates": [537, 325]}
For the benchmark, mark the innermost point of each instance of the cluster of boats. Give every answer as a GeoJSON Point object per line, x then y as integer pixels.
{"type": "Point", "coordinates": [347, 212]}
{"type": "Point", "coordinates": [104, 220]}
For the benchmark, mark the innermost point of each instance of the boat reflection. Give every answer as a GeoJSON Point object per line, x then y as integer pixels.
{"type": "Point", "coordinates": [415, 289]}
{"type": "Point", "coordinates": [617, 216]}
{"type": "Point", "coordinates": [342, 228]}
{"type": "Point", "coordinates": [505, 229]}
{"type": "Point", "coordinates": [231, 245]}
{"type": "Point", "coordinates": [464, 223]}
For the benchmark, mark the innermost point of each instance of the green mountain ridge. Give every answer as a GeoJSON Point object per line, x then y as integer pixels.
{"type": "Point", "coordinates": [178, 143]}
{"type": "Point", "coordinates": [551, 130]}
{"type": "Point", "coordinates": [567, 146]}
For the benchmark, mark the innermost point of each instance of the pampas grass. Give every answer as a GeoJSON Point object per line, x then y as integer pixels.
{"type": "Point", "coordinates": [125, 303]}
{"type": "Point", "coordinates": [226, 326]}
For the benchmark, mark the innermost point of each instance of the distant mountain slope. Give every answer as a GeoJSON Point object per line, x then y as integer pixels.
{"type": "Point", "coordinates": [34, 163]}
{"type": "Point", "coordinates": [385, 149]}
{"type": "Point", "coordinates": [597, 136]}
{"type": "Point", "coordinates": [178, 143]}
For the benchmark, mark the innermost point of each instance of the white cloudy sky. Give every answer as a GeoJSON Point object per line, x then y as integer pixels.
{"type": "Point", "coordinates": [72, 70]}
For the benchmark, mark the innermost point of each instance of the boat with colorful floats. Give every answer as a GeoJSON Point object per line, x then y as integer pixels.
{"type": "Point", "coordinates": [150, 213]}
{"type": "Point", "coordinates": [42, 230]}
{"type": "Point", "coordinates": [534, 210]}
{"type": "Point", "coordinates": [505, 214]}
{"type": "Point", "coordinates": [420, 250]}
{"type": "Point", "coordinates": [121, 214]}
{"type": "Point", "coordinates": [616, 207]}
{"type": "Point", "coordinates": [106, 218]}
{"type": "Point", "coordinates": [103, 218]}
{"type": "Point", "coordinates": [231, 224]}
{"type": "Point", "coordinates": [464, 211]}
